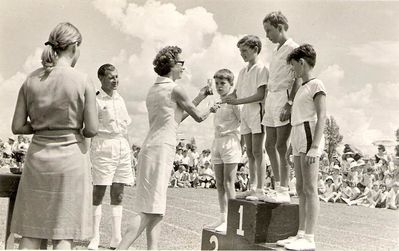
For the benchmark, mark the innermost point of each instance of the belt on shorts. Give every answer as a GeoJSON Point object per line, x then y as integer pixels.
{"type": "Point", "coordinates": [110, 136]}
{"type": "Point", "coordinates": [48, 132]}
{"type": "Point", "coordinates": [277, 91]}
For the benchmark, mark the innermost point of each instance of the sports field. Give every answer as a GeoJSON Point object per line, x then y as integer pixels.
{"type": "Point", "coordinates": [340, 227]}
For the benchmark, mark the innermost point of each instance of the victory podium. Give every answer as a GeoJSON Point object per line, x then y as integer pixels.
{"type": "Point", "coordinates": [253, 225]}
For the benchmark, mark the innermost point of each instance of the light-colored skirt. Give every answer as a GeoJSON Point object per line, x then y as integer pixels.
{"type": "Point", "coordinates": [154, 168]}
{"type": "Point", "coordinates": [54, 199]}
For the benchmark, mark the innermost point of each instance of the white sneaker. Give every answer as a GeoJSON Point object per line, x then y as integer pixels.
{"type": "Point", "coordinates": [279, 196]}
{"type": "Point", "coordinates": [214, 225]}
{"type": "Point", "coordinates": [221, 228]}
{"type": "Point", "coordinates": [93, 245]}
{"type": "Point", "coordinates": [245, 194]}
{"type": "Point", "coordinates": [301, 245]}
{"type": "Point", "coordinates": [259, 195]}
{"type": "Point", "coordinates": [290, 239]}
{"type": "Point", "coordinates": [114, 243]}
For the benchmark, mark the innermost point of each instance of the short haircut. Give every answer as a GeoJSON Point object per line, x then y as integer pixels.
{"type": "Point", "coordinates": [275, 18]}
{"type": "Point", "coordinates": [251, 41]}
{"type": "Point", "coordinates": [165, 60]}
{"type": "Point", "coordinates": [225, 74]}
{"type": "Point", "coordinates": [382, 147]}
{"type": "Point", "coordinates": [306, 52]}
{"type": "Point", "coordinates": [104, 68]}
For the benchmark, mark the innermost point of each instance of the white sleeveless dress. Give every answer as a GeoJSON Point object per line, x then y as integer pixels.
{"type": "Point", "coordinates": [155, 160]}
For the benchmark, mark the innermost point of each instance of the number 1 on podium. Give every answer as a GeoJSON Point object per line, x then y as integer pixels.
{"type": "Point", "coordinates": [241, 212]}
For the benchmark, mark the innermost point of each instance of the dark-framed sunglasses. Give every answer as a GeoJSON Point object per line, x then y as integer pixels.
{"type": "Point", "coordinates": [180, 62]}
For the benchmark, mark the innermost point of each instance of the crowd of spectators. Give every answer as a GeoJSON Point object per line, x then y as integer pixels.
{"type": "Point", "coordinates": [194, 169]}
{"type": "Point", "coordinates": [360, 180]}
{"type": "Point", "coordinates": [349, 178]}
{"type": "Point", "coordinates": [12, 152]}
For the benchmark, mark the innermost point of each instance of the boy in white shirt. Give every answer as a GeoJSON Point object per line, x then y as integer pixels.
{"type": "Point", "coordinates": [250, 91]}
{"type": "Point", "coordinates": [308, 121]}
{"type": "Point", "coordinates": [226, 148]}
{"type": "Point", "coordinates": [281, 89]}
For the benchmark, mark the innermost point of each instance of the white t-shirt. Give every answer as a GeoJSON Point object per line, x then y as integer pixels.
{"type": "Point", "coordinates": [281, 74]}
{"type": "Point", "coordinates": [249, 80]}
{"type": "Point", "coordinates": [227, 120]}
{"type": "Point", "coordinates": [303, 108]}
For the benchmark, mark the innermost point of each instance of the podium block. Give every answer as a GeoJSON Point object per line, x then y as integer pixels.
{"type": "Point", "coordinates": [212, 240]}
{"type": "Point", "coordinates": [251, 222]}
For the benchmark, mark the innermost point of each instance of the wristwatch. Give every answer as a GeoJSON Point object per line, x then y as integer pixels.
{"type": "Point", "coordinates": [290, 102]}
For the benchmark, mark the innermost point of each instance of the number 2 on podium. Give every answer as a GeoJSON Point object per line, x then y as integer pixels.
{"type": "Point", "coordinates": [239, 230]}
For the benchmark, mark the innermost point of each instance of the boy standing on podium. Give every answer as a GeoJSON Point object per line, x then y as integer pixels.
{"type": "Point", "coordinates": [308, 121]}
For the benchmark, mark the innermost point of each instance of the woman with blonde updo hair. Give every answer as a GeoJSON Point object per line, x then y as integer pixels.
{"type": "Point", "coordinates": [56, 104]}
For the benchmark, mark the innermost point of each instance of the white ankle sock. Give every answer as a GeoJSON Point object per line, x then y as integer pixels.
{"type": "Point", "coordinates": [283, 189]}
{"type": "Point", "coordinates": [116, 225]}
{"type": "Point", "coordinates": [301, 233]}
{"type": "Point", "coordinates": [223, 217]}
{"type": "Point", "coordinates": [97, 213]}
{"type": "Point", "coordinates": [276, 185]}
{"type": "Point", "coordinates": [95, 241]}
{"type": "Point", "coordinates": [309, 237]}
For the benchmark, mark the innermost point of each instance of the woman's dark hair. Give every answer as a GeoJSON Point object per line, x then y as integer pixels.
{"type": "Point", "coordinates": [166, 59]}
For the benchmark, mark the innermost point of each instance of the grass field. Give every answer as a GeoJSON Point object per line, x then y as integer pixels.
{"type": "Point", "coordinates": [340, 227]}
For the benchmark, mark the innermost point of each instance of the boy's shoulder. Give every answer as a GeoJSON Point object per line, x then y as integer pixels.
{"type": "Point", "coordinates": [292, 44]}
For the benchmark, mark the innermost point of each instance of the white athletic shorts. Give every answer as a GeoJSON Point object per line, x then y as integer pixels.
{"type": "Point", "coordinates": [251, 118]}
{"type": "Point", "coordinates": [275, 101]}
{"type": "Point", "coordinates": [226, 149]}
{"type": "Point", "coordinates": [302, 138]}
{"type": "Point", "coordinates": [111, 161]}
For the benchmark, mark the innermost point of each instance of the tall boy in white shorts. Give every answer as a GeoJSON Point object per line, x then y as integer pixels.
{"type": "Point", "coordinates": [281, 89]}
{"type": "Point", "coordinates": [110, 154]}
{"type": "Point", "coordinates": [226, 148]}
{"type": "Point", "coordinates": [308, 121]}
{"type": "Point", "coordinates": [250, 91]}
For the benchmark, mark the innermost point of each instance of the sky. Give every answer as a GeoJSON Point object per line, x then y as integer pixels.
{"type": "Point", "coordinates": [357, 45]}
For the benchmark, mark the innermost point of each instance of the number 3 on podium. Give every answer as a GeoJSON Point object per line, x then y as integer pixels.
{"type": "Point", "coordinates": [241, 212]}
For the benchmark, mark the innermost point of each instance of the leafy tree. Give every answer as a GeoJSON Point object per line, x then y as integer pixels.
{"type": "Point", "coordinates": [332, 136]}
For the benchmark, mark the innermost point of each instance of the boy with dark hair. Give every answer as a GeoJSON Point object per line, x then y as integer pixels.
{"type": "Point", "coordinates": [308, 121]}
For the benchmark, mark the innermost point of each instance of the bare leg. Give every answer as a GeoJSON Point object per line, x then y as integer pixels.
{"type": "Point", "coordinates": [299, 190]}
{"type": "Point", "coordinates": [257, 150]}
{"type": "Point", "coordinates": [309, 174]}
{"type": "Point", "coordinates": [138, 224]}
{"type": "Point", "coordinates": [271, 140]}
{"type": "Point", "coordinates": [229, 176]}
{"type": "Point", "coordinates": [154, 231]}
{"type": "Point", "coordinates": [251, 161]}
{"type": "Point", "coordinates": [219, 174]}
{"type": "Point", "coordinates": [283, 133]}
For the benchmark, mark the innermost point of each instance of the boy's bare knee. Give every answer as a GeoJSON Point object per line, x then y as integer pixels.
{"type": "Point", "coordinates": [116, 198]}
{"type": "Point", "coordinates": [258, 153]}
{"type": "Point", "coordinates": [282, 147]}
{"type": "Point", "coordinates": [310, 191]}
